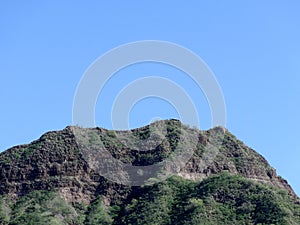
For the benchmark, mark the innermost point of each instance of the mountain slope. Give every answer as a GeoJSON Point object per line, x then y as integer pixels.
{"type": "Point", "coordinates": [53, 180]}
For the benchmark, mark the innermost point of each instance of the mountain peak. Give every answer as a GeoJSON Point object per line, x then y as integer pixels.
{"type": "Point", "coordinates": [59, 161]}
{"type": "Point", "coordinates": [58, 154]}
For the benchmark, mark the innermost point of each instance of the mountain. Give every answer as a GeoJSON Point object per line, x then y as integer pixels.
{"type": "Point", "coordinates": [163, 173]}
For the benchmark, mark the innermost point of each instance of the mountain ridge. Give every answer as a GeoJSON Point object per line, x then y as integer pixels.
{"type": "Point", "coordinates": [55, 162]}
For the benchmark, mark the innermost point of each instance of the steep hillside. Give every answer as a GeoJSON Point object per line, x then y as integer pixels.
{"type": "Point", "coordinates": [207, 177]}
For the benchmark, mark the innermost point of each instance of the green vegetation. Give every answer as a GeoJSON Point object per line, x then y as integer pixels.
{"type": "Point", "coordinates": [41, 207]}
{"type": "Point", "coordinates": [223, 199]}
{"type": "Point", "coordinates": [98, 214]}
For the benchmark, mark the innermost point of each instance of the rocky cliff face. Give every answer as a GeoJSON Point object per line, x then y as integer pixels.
{"type": "Point", "coordinates": [56, 162]}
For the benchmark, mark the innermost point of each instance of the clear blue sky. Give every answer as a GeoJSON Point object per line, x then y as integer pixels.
{"type": "Point", "coordinates": [253, 48]}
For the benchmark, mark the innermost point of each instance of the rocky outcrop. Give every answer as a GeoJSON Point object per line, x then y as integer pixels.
{"type": "Point", "coordinates": [56, 161]}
